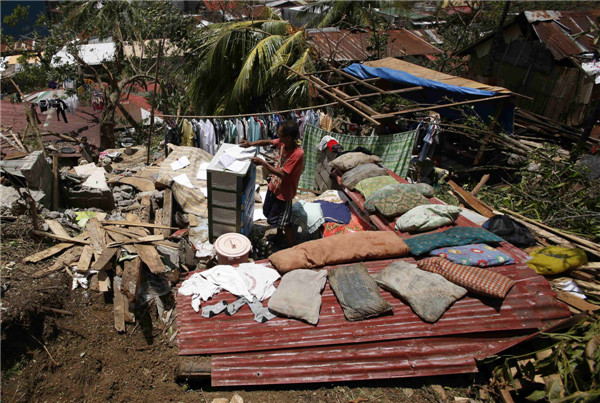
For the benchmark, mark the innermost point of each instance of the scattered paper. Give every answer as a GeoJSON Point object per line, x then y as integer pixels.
{"type": "Point", "coordinates": [97, 180]}
{"type": "Point", "coordinates": [184, 180]}
{"type": "Point", "coordinates": [258, 215]}
{"type": "Point", "coordinates": [235, 158]}
{"type": "Point", "coordinates": [87, 169]}
{"type": "Point", "coordinates": [263, 195]}
{"type": "Point", "coordinates": [204, 249]}
{"type": "Point", "coordinates": [204, 191]}
{"type": "Point", "coordinates": [182, 162]}
{"type": "Point", "coordinates": [202, 171]}
{"type": "Point", "coordinates": [571, 287]}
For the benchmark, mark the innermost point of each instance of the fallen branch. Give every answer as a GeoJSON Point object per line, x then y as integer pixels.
{"type": "Point", "coordinates": [48, 352]}
{"type": "Point", "coordinates": [55, 310]}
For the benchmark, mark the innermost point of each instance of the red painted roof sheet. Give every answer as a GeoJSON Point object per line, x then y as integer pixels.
{"type": "Point", "coordinates": [342, 45]}
{"type": "Point", "coordinates": [528, 305]}
{"type": "Point", "coordinates": [355, 362]}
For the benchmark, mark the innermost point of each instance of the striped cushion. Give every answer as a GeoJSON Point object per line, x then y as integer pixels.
{"type": "Point", "coordinates": [477, 280]}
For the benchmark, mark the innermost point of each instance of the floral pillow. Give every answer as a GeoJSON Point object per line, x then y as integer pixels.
{"type": "Point", "coordinates": [455, 236]}
{"type": "Point", "coordinates": [421, 188]}
{"type": "Point", "coordinates": [480, 254]}
{"type": "Point", "coordinates": [370, 185]}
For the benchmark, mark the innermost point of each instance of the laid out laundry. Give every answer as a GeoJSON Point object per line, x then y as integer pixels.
{"type": "Point", "coordinates": [184, 181]}
{"type": "Point", "coordinates": [510, 230]}
{"type": "Point", "coordinates": [480, 254]}
{"type": "Point", "coordinates": [181, 162]}
{"type": "Point", "coordinates": [357, 292]}
{"type": "Point", "coordinates": [261, 313]}
{"type": "Point", "coordinates": [350, 160]}
{"type": "Point", "coordinates": [427, 217]}
{"type": "Point", "coordinates": [333, 196]}
{"type": "Point", "coordinates": [249, 280]}
{"type": "Point", "coordinates": [335, 212]}
{"type": "Point", "coordinates": [355, 224]}
{"type": "Point", "coordinates": [299, 295]}
{"type": "Point", "coordinates": [308, 215]}
{"type": "Point", "coordinates": [479, 281]}
{"type": "Point", "coordinates": [556, 259]}
{"type": "Point", "coordinates": [202, 171]}
{"type": "Point", "coordinates": [344, 248]}
{"type": "Point", "coordinates": [428, 294]}
{"type": "Point", "coordinates": [353, 176]}
{"type": "Point", "coordinates": [420, 244]}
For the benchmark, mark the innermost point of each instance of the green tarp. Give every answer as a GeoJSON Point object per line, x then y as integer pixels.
{"type": "Point", "coordinates": [394, 150]}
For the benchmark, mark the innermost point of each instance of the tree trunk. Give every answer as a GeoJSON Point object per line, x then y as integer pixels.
{"type": "Point", "coordinates": [107, 124]}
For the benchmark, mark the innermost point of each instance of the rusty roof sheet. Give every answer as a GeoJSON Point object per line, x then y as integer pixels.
{"type": "Point", "coordinates": [528, 305]}
{"type": "Point", "coordinates": [383, 360]}
{"type": "Point", "coordinates": [343, 45]}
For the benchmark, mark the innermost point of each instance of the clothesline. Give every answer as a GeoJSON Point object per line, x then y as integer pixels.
{"type": "Point", "coordinates": [250, 114]}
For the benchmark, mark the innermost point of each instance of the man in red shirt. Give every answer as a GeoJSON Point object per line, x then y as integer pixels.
{"type": "Point", "coordinates": [286, 173]}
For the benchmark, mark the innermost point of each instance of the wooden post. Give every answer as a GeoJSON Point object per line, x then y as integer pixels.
{"type": "Point", "coordinates": [55, 181]}
{"type": "Point", "coordinates": [160, 47]}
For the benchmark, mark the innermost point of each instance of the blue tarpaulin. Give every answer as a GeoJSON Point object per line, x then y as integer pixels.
{"type": "Point", "coordinates": [435, 92]}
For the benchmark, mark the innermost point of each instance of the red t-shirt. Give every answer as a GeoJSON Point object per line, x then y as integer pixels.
{"type": "Point", "coordinates": [292, 164]}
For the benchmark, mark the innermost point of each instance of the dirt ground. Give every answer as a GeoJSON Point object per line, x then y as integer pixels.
{"type": "Point", "coordinates": [78, 356]}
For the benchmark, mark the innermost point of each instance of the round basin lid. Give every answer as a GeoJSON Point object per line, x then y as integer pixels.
{"type": "Point", "coordinates": [232, 245]}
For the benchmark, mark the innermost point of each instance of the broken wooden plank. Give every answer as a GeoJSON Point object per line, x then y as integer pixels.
{"type": "Point", "coordinates": [120, 238]}
{"type": "Point", "coordinates": [131, 278]}
{"type": "Point", "coordinates": [65, 259]}
{"type": "Point", "coordinates": [103, 281]}
{"type": "Point", "coordinates": [479, 185]}
{"type": "Point", "coordinates": [96, 234]}
{"type": "Point", "coordinates": [576, 302]}
{"type": "Point", "coordinates": [141, 184]}
{"type": "Point", "coordinates": [151, 258]}
{"type": "Point", "coordinates": [140, 240]}
{"type": "Point", "coordinates": [85, 259]}
{"type": "Point", "coordinates": [140, 224]}
{"type": "Point", "coordinates": [157, 220]}
{"type": "Point", "coordinates": [119, 302]}
{"type": "Point", "coordinates": [167, 215]}
{"type": "Point", "coordinates": [61, 238]}
{"type": "Point", "coordinates": [56, 228]}
{"type": "Point", "coordinates": [36, 257]}
{"type": "Point", "coordinates": [105, 257]}
{"type": "Point", "coordinates": [471, 200]}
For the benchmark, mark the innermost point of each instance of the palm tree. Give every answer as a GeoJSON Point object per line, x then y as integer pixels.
{"type": "Point", "coordinates": [239, 67]}
{"type": "Point", "coordinates": [350, 14]}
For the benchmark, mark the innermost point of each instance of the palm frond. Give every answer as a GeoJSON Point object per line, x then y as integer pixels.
{"type": "Point", "coordinates": [276, 27]}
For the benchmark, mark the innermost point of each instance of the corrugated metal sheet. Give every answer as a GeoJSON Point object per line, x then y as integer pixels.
{"type": "Point", "coordinates": [527, 306]}
{"type": "Point", "coordinates": [385, 360]}
{"type": "Point", "coordinates": [347, 46]}
{"type": "Point", "coordinates": [430, 74]}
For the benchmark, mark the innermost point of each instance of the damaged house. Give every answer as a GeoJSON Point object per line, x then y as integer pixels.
{"type": "Point", "coordinates": [547, 55]}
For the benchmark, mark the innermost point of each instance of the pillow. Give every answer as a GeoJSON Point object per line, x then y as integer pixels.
{"type": "Point", "coordinates": [478, 254]}
{"type": "Point", "coordinates": [344, 248]}
{"type": "Point", "coordinates": [350, 160]}
{"type": "Point", "coordinates": [421, 188]}
{"type": "Point", "coordinates": [427, 217]}
{"type": "Point", "coordinates": [357, 292]}
{"type": "Point", "coordinates": [398, 203]}
{"type": "Point", "coordinates": [456, 236]}
{"type": "Point", "coordinates": [365, 171]}
{"type": "Point", "coordinates": [370, 185]}
{"type": "Point", "coordinates": [428, 294]}
{"type": "Point", "coordinates": [298, 295]}
{"type": "Point", "coordinates": [474, 279]}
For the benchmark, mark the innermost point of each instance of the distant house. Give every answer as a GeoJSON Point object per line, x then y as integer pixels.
{"type": "Point", "coordinates": [547, 55]}
{"type": "Point", "coordinates": [343, 46]}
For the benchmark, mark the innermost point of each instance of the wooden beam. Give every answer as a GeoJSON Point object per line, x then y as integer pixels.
{"type": "Point", "coordinates": [349, 83]}
{"type": "Point", "coordinates": [318, 86]}
{"type": "Point", "coordinates": [61, 238]}
{"type": "Point", "coordinates": [472, 201]}
{"type": "Point", "coordinates": [358, 80]}
{"type": "Point", "coordinates": [105, 257]}
{"type": "Point", "coordinates": [482, 182]}
{"type": "Point", "coordinates": [85, 259]}
{"type": "Point", "coordinates": [151, 258]}
{"type": "Point", "coordinates": [131, 278]}
{"type": "Point", "coordinates": [576, 302]}
{"type": "Point", "coordinates": [391, 92]}
{"type": "Point", "coordinates": [435, 107]}
{"type": "Point", "coordinates": [55, 188]}
{"type": "Point", "coordinates": [167, 214]}
{"type": "Point", "coordinates": [142, 224]}
{"type": "Point", "coordinates": [96, 234]}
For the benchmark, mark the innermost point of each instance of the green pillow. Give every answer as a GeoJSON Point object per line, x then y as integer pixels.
{"type": "Point", "coordinates": [421, 188]}
{"type": "Point", "coordinates": [397, 203]}
{"type": "Point", "coordinates": [370, 185]}
{"type": "Point", "coordinates": [456, 236]}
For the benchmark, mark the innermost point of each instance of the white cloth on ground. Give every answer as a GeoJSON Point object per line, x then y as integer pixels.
{"type": "Point", "coordinates": [323, 143]}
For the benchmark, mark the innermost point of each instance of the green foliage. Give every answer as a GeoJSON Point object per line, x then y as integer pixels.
{"type": "Point", "coordinates": [241, 67]}
{"type": "Point", "coordinates": [554, 191]}
{"type": "Point", "coordinates": [352, 14]}
{"type": "Point", "coordinates": [378, 42]}
{"type": "Point", "coordinates": [20, 14]}
{"type": "Point", "coordinates": [575, 358]}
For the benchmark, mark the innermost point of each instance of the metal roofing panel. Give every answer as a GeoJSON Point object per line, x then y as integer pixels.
{"type": "Point", "coordinates": [558, 41]}
{"type": "Point", "coordinates": [530, 302]}
{"type": "Point", "coordinates": [343, 45]}
{"type": "Point", "coordinates": [362, 361]}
